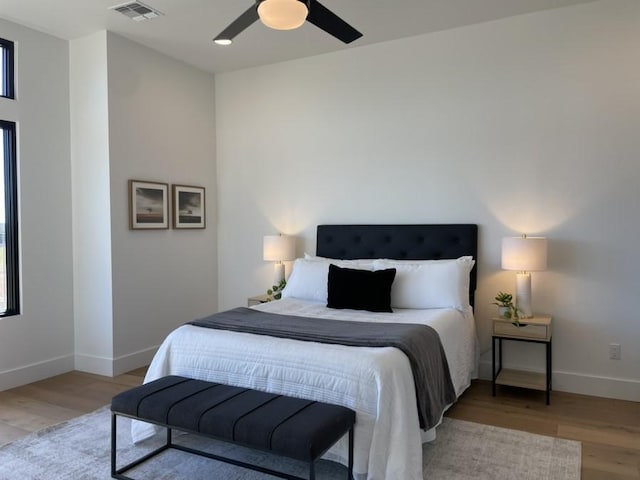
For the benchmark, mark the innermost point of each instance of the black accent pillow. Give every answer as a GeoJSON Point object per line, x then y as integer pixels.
{"type": "Point", "coordinates": [360, 289]}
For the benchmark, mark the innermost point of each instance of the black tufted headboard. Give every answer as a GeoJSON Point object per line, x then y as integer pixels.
{"type": "Point", "coordinates": [400, 242]}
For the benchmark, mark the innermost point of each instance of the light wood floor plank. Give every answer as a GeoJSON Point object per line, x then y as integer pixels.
{"type": "Point", "coordinates": [30, 414]}
{"type": "Point", "coordinates": [618, 435]}
{"type": "Point", "coordinates": [9, 433]}
{"type": "Point", "coordinates": [603, 461]}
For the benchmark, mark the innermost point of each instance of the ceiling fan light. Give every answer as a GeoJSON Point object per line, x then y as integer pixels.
{"type": "Point", "coordinates": [282, 14]}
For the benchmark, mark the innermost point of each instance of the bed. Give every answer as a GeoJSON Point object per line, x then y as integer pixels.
{"type": "Point", "coordinates": [376, 382]}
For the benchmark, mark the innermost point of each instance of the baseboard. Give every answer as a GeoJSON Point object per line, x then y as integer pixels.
{"type": "Point", "coordinates": [110, 367]}
{"type": "Point", "coordinates": [93, 364]}
{"type": "Point", "coordinates": [34, 372]}
{"type": "Point", "coordinates": [131, 361]}
{"type": "Point", "coordinates": [619, 388]}
{"type": "Point", "coordinates": [598, 386]}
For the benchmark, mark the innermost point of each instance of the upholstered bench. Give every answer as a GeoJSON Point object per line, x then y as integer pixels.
{"type": "Point", "coordinates": [290, 427]}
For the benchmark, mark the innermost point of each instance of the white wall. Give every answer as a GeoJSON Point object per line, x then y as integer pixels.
{"type": "Point", "coordinates": [93, 310]}
{"type": "Point", "coordinates": [523, 125]}
{"type": "Point", "coordinates": [39, 342]}
{"type": "Point", "coordinates": [161, 128]}
{"type": "Point", "coordinates": [140, 115]}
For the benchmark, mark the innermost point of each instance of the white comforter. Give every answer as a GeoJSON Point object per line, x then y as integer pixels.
{"type": "Point", "coordinates": [376, 382]}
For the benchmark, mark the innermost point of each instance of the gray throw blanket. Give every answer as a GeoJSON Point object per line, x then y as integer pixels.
{"type": "Point", "coordinates": [420, 343]}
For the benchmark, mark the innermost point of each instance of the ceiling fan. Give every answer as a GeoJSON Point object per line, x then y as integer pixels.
{"type": "Point", "coordinates": [288, 15]}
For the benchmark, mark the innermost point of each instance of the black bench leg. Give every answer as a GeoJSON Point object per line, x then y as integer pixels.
{"type": "Point", "coordinates": [119, 472]}
{"type": "Point", "coordinates": [350, 472]}
{"type": "Point", "coordinates": [113, 445]}
{"type": "Point", "coordinates": [312, 464]}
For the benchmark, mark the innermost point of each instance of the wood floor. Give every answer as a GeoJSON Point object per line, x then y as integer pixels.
{"type": "Point", "coordinates": [32, 407]}
{"type": "Point", "coordinates": [608, 429]}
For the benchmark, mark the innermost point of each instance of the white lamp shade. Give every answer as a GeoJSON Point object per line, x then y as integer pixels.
{"type": "Point", "coordinates": [279, 248]}
{"type": "Point", "coordinates": [282, 14]}
{"type": "Point", "coordinates": [524, 254]}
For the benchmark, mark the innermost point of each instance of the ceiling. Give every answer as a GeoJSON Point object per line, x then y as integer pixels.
{"type": "Point", "coordinates": [188, 26]}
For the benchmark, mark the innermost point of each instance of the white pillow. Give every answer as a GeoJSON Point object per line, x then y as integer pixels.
{"type": "Point", "coordinates": [429, 284]}
{"type": "Point", "coordinates": [420, 262]}
{"type": "Point", "coordinates": [308, 279]}
{"type": "Point", "coordinates": [359, 264]}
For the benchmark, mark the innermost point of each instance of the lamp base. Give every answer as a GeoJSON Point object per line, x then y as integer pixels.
{"type": "Point", "coordinates": [523, 294]}
{"type": "Point", "coordinates": [278, 274]}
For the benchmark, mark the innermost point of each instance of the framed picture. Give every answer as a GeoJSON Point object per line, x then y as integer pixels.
{"type": "Point", "coordinates": [148, 205]}
{"type": "Point", "coordinates": [188, 206]}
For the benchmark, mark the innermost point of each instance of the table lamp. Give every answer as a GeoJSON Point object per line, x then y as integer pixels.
{"type": "Point", "coordinates": [524, 254]}
{"type": "Point", "coordinates": [278, 248]}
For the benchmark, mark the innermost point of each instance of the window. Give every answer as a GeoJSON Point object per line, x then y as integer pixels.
{"type": "Point", "coordinates": [9, 280]}
{"type": "Point", "coordinates": [6, 69]}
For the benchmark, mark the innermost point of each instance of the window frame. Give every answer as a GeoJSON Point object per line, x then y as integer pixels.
{"type": "Point", "coordinates": [7, 57]}
{"type": "Point", "coordinates": [12, 257]}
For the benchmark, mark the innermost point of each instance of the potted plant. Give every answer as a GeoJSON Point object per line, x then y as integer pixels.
{"type": "Point", "coordinates": [275, 292]}
{"type": "Point", "coordinates": [506, 307]}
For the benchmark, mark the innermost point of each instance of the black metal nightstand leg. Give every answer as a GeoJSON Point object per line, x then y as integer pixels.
{"type": "Point", "coordinates": [493, 365]}
{"type": "Point", "coordinates": [549, 374]}
{"type": "Point", "coordinates": [550, 365]}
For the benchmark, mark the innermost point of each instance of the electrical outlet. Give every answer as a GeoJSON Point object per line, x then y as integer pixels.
{"type": "Point", "coordinates": [615, 351]}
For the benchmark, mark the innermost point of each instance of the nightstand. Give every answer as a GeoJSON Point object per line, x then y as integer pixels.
{"type": "Point", "coordinates": [257, 300]}
{"type": "Point", "coordinates": [536, 330]}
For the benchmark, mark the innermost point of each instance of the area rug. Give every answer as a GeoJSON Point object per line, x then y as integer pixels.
{"type": "Point", "coordinates": [79, 450]}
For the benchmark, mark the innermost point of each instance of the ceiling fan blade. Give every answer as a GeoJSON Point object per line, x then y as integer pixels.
{"type": "Point", "coordinates": [239, 24]}
{"type": "Point", "coordinates": [328, 21]}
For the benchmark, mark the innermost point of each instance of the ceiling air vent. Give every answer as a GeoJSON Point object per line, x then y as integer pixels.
{"type": "Point", "coordinates": [137, 11]}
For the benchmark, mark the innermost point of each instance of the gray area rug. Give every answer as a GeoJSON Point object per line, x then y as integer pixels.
{"type": "Point", "coordinates": [79, 450]}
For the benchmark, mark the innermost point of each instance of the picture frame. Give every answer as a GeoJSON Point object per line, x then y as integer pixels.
{"type": "Point", "coordinates": [148, 205]}
{"type": "Point", "coordinates": [188, 207]}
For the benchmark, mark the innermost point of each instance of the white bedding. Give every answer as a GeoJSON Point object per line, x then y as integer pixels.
{"type": "Point", "coordinates": [376, 382]}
